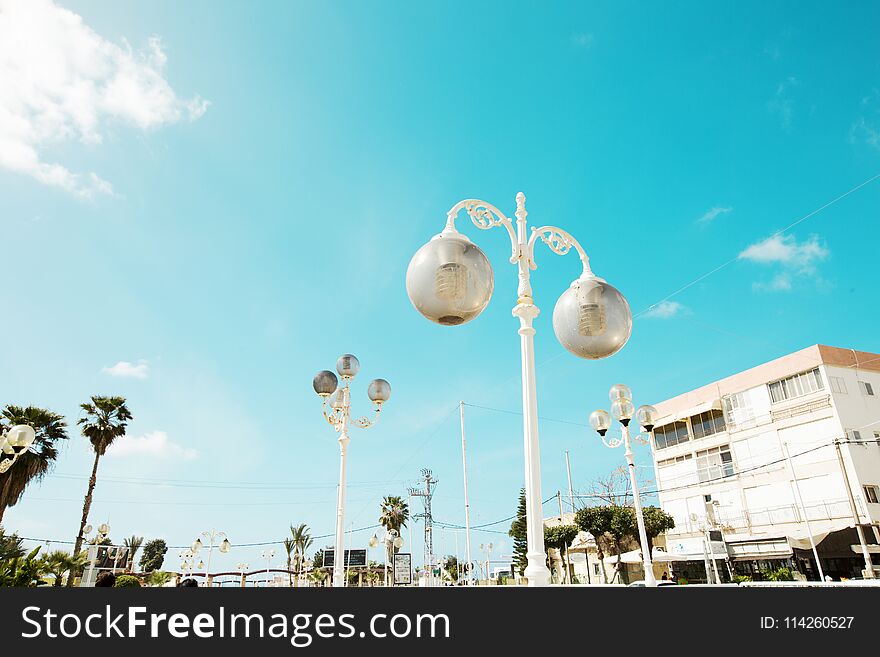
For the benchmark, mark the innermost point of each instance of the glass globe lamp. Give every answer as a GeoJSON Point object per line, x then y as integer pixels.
{"type": "Point", "coordinates": [325, 383]}
{"type": "Point", "coordinates": [21, 435]}
{"type": "Point", "coordinates": [622, 410]}
{"type": "Point", "coordinates": [619, 391]}
{"type": "Point", "coordinates": [592, 319]}
{"type": "Point", "coordinates": [347, 366]}
{"type": "Point", "coordinates": [379, 391]}
{"type": "Point", "coordinates": [646, 417]}
{"type": "Point", "coordinates": [600, 421]}
{"type": "Point", "coordinates": [450, 280]}
{"type": "Point", "coordinates": [225, 546]}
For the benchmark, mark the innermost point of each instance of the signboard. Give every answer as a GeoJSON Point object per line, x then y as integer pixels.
{"type": "Point", "coordinates": [353, 558]}
{"type": "Point", "coordinates": [403, 568]}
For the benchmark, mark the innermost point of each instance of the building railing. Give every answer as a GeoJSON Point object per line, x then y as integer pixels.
{"type": "Point", "coordinates": [777, 414]}
{"type": "Point", "coordinates": [777, 515]}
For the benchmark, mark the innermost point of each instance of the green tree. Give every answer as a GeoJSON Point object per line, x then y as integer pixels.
{"type": "Point", "coordinates": [450, 565]}
{"type": "Point", "coordinates": [159, 578]}
{"type": "Point", "coordinates": [657, 521]}
{"type": "Point", "coordinates": [36, 462]}
{"type": "Point", "coordinates": [23, 571]}
{"type": "Point", "coordinates": [11, 546]}
{"type": "Point", "coordinates": [518, 533]}
{"type": "Point", "coordinates": [105, 420]}
{"type": "Point", "coordinates": [611, 526]}
{"type": "Point", "coordinates": [287, 543]}
{"type": "Point", "coordinates": [560, 537]}
{"type": "Point", "coordinates": [395, 513]}
{"type": "Point", "coordinates": [127, 582]}
{"type": "Point", "coordinates": [153, 555]}
{"type": "Point", "coordinates": [133, 543]}
{"type": "Point", "coordinates": [58, 562]}
{"type": "Point", "coordinates": [302, 541]}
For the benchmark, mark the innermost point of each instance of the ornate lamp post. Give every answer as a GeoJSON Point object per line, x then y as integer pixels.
{"type": "Point", "coordinates": [14, 442]}
{"type": "Point", "coordinates": [392, 539]}
{"type": "Point", "coordinates": [622, 409]}
{"type": "Point", "coordinates": [450, 281]}
{"type": "Point", "coordinates": [487, 550]}
{"type": "Point", "coordinates": [268, 555]}
{"type": "Point", "coordinates": [325, 384]}
{"type": "Point", "coordinates": [210, 536]}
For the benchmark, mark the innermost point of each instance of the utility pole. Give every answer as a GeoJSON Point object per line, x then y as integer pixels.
{"type": "Point", "coordinates": [467, 505]}
{"type": "Point", "coordinates": [570, 490]}
{"type": "Point", "coordinates": [426, 494]}
{"type": "Point", "coordinates": [797, 490]}
{"type": "Point", "coordinates": [869, 566]}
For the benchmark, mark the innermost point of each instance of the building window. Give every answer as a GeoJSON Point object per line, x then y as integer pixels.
{"type": "Point", "coordinates": [853, 434]}
{"type": "Point", "coordinates": [837, 384]}
{"type": "Point", "coordinates": [796, 386]}
{"type": "Point", "coordinates": [595, 569]}
{"type": "Point", "coordinates": [866, 388]}
{"type": "Point", "coordinates": [714, 463]}
{"type": "Point", "coordinates": [708, 423]}
{"type": "Point", "coordinates": [670, 435]}
{"type": "Point", "coordinates": [872, 494]}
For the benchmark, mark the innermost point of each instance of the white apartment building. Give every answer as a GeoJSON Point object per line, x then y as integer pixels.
{"type": "Point", "coordinates": [721, 468]}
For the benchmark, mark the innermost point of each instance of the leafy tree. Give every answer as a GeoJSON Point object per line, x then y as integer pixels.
{"type": "Point", "coordinates": [287, 543]}
{"type": "Point", "coordinates": [23, 571]}
{"type": "Point", "coordinates": [318, 559]}
{"type": "Point", "coordinates": [133, 544]}
{"type": "Point", "coordinates": [612, 526]}
{"type": "Point", "coordinates": [302, 541]}
{"type": "Point", "coordinates": [395, 513]}
{"type": "Point", "coordinates": [58, 562]}
{"type": "Point", "coordinates": [11, 546]}
{"type": "Point", "coordinates": [36, 462]}
{"type": "Point", "coordinates": [560, 537]}
{"type": "Point", "coordinates": [105, 420]}
{"type": "Point", "coordinates": [518, 534]}
{"type": "Point", "coordinates": [153, 555]}
{"type": "Point", "coordinates": [159, 577]}
{"type": "Point", "coordinates": [450, 565]}
{"type": "Point", "coordinates": [657, 521]}
{"type": "Point", "coordinates": [127, 582]}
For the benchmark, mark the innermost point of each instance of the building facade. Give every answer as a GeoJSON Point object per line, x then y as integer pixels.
{"type": "Point", "coordinates": [722, 468]}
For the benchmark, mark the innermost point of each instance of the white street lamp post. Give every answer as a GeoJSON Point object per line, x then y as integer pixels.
{"type": "Point", "coordinates": [623, 411]}
{"type": "Point", "coordinates": [450, 281]}
{"type": "Point", "coordinates": [268, 555]}
{"type": "Point", "coordinates": [487, 550]}
{"type": "Point", "coordinates": [210, 536]}
{"type": "Point", "coordinates": [391, 539]}
{"type": "Point", "coordinates": [14, 442]}
{"type": "Point", "coordinates": [325, 384]}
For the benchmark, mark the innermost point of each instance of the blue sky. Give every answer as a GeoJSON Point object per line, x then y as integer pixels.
{"type": "Point", "coordinates": [226, 196]}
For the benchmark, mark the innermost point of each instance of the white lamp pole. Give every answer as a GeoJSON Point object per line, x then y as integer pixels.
{"type": "Point", "coordinates": [450, 281]}
{"type": "Point", "coordinates": [392, 539]}
{"type": "Point", "coordinates": [623, 411]}
{"type": "Point", "coordinates": [211, 536]}
{"type": "Point", "coordinates": [467, 505]}
{"type": "Point", "coordinates": [325, 384]}
{"type": "Point", "coordinates": [268, 555]}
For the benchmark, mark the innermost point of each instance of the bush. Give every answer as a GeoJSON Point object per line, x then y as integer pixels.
{"type": "Point", "coordinates": [682, 581]}
{"type": "Point", "coordinates": [781, 574]}
{"type": "Point", "coordinates": [739, 579]}
{"type": "Point", "coordinates": [127, 582]}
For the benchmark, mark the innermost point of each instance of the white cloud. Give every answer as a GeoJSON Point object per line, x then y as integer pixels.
{"type": "Point", "coordinates": [62, 81]}
{"type": "Point", "coordinates": [665, 310]}
{"type": "Point", "coordinates": [781, 103]}
{"type": "Point", "coordinates": [784, 251]}
{"type": "Point", "coordinates": [710, 215]}
{"type": "Point", "coordinates": [125, 370]}
{"type": "Point", "coordinates": [154, 444]}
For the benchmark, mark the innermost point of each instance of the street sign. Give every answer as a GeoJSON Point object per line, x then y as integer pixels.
{"type": "Point", "coordinates": [353, 558]}
{"type": "Point", "coordinates": [403, 568]}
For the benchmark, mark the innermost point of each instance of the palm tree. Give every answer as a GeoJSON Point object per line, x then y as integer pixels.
{"type": "Point", "coordinates": [302, 541]}
{"type": "Point", "coordinates": [35, 463]}
{"type": "Point", "coordinates": [105, 420]}
{"type": "Point", "coordinates": [59, 562]}
{"type": "Point", "coordinates": [288, 547]}
{"type": "Point", "coordinates": [133, 544]}
{"type": "Point", "coordinates": [395, 513]}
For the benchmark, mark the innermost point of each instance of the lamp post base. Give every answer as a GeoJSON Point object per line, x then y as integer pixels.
{"type": "Point", "coordinates": [537, 572]}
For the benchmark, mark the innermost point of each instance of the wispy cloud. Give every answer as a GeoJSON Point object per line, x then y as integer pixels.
{"type": "Point", "coordinates": [712, 214]}
{"type": "Point", "coordinates": [62, 81]}
{"type": "Point", "coordinates": [781, 104]}
{"type": "Point", "coordinates": [582, 40]}
{"type": "Point", "coordinates": [867, 128]}
{"type": "Point", "coordinates": [125, 370]}
{"type": "Point", "coordinates": [154, 444]}
{"type": "Point", "coordinates": [665, 310]}
{"type": "Point", "coordinates": [793, 258]}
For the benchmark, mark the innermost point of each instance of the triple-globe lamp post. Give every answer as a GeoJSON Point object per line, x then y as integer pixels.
{"type": "Point", "coordinates": [211, 536]}
{"type": "Point", "coordinates": [623, 411]}
{"type": "Point", "coordinates": [326, 385]}
{"type": "Point", "coordinates": [392, 540]}
{"type": "Point", "coordinates": [450, 281]}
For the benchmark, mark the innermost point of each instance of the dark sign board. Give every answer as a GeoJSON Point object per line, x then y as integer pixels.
{"type": "Point", "coordinates": [353, 558]}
